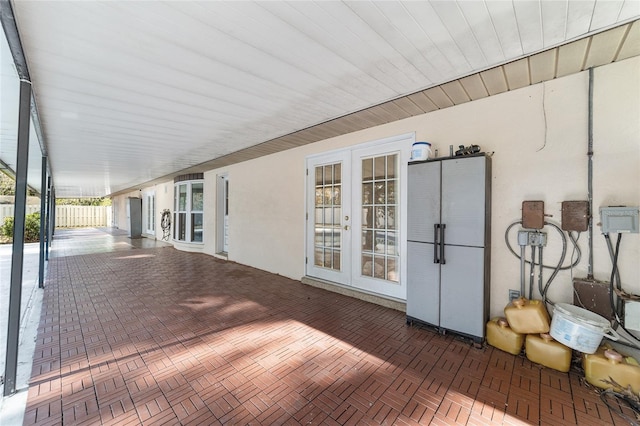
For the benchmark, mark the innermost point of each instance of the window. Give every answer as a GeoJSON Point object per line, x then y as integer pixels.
{"type": "Point", "coordinates": [149, 208]}
{"type": "Point", "coordinates": [188, 216]}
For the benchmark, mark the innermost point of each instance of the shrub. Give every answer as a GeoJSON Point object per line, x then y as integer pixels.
{"type": "Point", "coordinates": [31, 227]}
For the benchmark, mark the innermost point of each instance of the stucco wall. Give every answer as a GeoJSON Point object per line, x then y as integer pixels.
{"type": "Point", "coordinates": [539, 138]}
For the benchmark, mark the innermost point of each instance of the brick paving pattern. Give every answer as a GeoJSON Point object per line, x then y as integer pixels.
{"type": "Point", "coordinates": [156, 336]}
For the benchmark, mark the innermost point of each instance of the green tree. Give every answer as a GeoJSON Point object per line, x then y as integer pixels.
{"type": "Point", "coordinates": [83, 201]}
{"type": "Point", "coordinates": [8, 186]}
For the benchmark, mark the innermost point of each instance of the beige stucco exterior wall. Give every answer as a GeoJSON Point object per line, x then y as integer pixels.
{"type": "Point", "coordinates": [120, 209]}
{"type": "Point", "coordinates": [539, 138]}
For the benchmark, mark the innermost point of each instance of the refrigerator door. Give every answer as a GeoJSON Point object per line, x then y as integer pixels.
{"type": "Point", "coordinates": [423, 203]}
{"type": "Point", "coordinates": [462, 295]}
{"type": "Point", "coordinates": [463, 201]}
{"type": "Point", "coordinates": [423, 283]}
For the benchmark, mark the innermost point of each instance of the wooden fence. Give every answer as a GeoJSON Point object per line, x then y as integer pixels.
{"type": "Point", "coordinates": [70, 216]}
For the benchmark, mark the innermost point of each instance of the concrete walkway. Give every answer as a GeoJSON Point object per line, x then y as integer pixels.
{"type": "Point", "coordinates": [12, 408]}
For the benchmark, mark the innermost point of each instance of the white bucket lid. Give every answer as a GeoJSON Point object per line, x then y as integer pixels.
{"type": "Point", "coordinates": [583, 316]}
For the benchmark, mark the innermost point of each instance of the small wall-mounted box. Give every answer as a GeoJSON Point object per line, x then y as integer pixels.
{"type": "Point", "coordinates": [533, 214]}
{"type": "Point", "coordinates": [619, 219]}
{"type": "Point", "coordinates": [575, 216]}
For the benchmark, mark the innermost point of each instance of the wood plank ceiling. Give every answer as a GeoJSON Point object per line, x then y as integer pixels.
{"type": "Point", "coordinates": [135, 92]}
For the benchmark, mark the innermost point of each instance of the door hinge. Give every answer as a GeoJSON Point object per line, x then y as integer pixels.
{"type": "Point", "coordinates": [306, 260]}
{"type": "Point", "coordinates": [306, 216]}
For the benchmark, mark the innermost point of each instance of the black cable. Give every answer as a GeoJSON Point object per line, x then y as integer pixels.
{"type": "Point", "coordinates": [556, 269]}
{"type": "Point", "coordinates": [562, 268]}
{"type": "Point", "coordinates": [532, 272]}
{"type": "Point", "coordinates": [614, 273]}
{"type": "Point", "coordinates": [614, 270]}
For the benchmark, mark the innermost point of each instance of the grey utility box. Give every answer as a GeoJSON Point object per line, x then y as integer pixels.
{"type": "Point", "coordinates": [134, 217]}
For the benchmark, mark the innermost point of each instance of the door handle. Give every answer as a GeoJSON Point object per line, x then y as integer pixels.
{"type": "Point", "coordinates": [442, 259]}
{"type": "Point", "coordinates": [436, 235]}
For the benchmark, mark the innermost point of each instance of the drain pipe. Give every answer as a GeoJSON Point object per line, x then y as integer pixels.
{"type": "Point", "coordinates": [590, 176]}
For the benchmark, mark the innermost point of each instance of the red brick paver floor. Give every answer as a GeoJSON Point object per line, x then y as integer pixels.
{"type": "Point", "coordinates": [135, 335]}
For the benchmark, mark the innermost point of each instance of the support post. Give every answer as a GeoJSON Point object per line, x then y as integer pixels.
{"type": "Point", "coordinates": [17, 260]}
{"type": "Point", "coordinates": [48, 219]}
{"type": "Point", "coordinates": [53, 211]}
{"type": "Point", "coordinates": [43, 220]}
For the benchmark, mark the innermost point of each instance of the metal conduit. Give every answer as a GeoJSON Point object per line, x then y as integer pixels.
{"type": "Point", "coordinates": [590, 176]}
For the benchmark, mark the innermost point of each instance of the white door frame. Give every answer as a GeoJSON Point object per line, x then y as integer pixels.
{"type": "Point", "coordinates": [351, 276]}
{"type": "Point", "coordinates": [222, 216]}
{"type": "Point", "coordinates": [149, 228]}
{"type": "Point", "coordinates": [342, 214]}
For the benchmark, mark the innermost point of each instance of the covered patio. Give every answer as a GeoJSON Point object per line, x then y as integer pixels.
{"type": "Point", "coordinates": [136, 332]}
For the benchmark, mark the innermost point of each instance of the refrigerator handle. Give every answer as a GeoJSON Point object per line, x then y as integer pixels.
{"type": "Point", "coordinates": [442, 259]}
{"type": "Point", "coordinates": [436, 234]}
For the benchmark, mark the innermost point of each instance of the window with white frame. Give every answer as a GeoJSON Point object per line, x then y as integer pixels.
{"type": "Point", "coordinates": [188, 211]}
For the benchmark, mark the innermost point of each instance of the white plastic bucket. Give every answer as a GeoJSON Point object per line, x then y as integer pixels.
{"type": "Point", "coordinates": [579, 328]}
{"type": "Point", "coordinates": [420, 151]}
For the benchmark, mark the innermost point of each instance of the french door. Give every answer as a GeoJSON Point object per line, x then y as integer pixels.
{"type": "Point", "coordinates": [355, 216]}
{"type": "Point", "coordinates": [329, 218]}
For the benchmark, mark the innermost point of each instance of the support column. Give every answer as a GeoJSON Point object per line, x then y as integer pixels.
{"type": "Point", "coordinates": [53, 211]}
{"type": "Point", "coordinates": [43, 220]}
{"type": "Point", "coordinates": [15, 293]}
{"type": "Point", "coordinates": [48, 220]}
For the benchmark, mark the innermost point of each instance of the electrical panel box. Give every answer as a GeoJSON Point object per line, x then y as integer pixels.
{"type": "Point", "coordinates": [632, 314]}
{"type": "Point", "coordinates": [619, 219]}
{"type": "Point", "coordinates": [537, 239]}
{"type": "Point", "coordinates": [593, 295]}
{"type": "Point", "coordinates": [575, 216]}
{"type": "Point", "coordinates": [533, 214]}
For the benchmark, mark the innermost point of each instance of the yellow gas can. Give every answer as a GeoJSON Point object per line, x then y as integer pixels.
{"type": "Point", "coordinates": [606, 364]}
{"type": "Point", "coordinates": [542, 349]}
{"type": "Point", "coordinates": [527, 316]}
{"type": "Point", "coordinates": [501, 336]}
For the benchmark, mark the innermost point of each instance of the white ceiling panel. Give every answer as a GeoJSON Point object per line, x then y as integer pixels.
{"type": "Point", "coordinates": [554, 22]}
{"type": "Point", "coordinates": [606, 13]}
{"type": "Point", "coordinates": [131, 92]}
{"type": "Point", "coordinates": [458, 27]}
{"type": "Point", "coordinates": [581, 15]}
{"type": "Point", "coordinates": [503, 19]}
{"type": "Point", "coordinates": [477, 16]}
{"type": "Point", "coordinates": [529, 18]}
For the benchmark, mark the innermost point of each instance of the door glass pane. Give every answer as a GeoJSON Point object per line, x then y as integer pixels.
{"type": "Point", "coordinates": [379, 252]}
{"type": "Point", "coordinates": [367, 169]}
{"type": "Point", "coordinates": [327, 217]}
